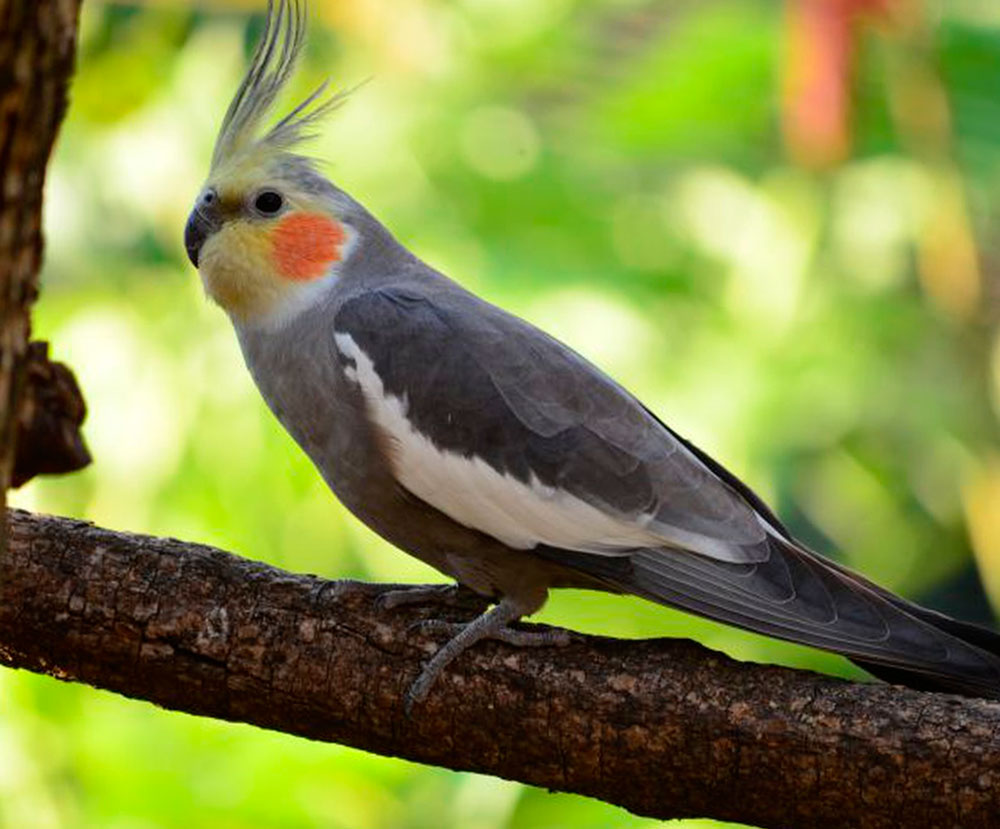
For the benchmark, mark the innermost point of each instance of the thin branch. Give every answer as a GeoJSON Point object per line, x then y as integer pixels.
{"type": "Point", "coordinates": [663, 728]}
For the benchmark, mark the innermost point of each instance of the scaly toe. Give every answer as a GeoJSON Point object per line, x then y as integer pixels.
{"type": "Point", "coordinates": [452, 595]}
{"type": "Point", "coordinates": [534, 638]}
{"type": "Point", "coordinates": [414, 595]}
{"type": "Point", "coordinates": [432, 626]}
{"type": "Point", "coordinates": [418, 691]}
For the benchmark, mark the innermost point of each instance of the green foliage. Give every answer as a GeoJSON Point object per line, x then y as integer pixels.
{"type": "Point", "coordinates": [612, 171]}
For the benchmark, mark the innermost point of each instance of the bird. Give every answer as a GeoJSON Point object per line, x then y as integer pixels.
{"type": "Point", "coordinates": [495, 453]}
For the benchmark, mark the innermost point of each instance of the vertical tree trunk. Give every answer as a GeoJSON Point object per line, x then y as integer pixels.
{"type": "Point", "coordinates": [37, 47]}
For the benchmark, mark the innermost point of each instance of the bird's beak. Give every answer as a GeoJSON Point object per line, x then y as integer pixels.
{"type": "Point", "coordinates": [202, 223]}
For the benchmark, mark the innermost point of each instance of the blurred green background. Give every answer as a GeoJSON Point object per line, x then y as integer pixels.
{"type": "Point", "coordinates": [776, 223]}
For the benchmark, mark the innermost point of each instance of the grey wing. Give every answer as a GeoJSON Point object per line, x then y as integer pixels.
{"type": "Point", "coordinates": [578, 454]}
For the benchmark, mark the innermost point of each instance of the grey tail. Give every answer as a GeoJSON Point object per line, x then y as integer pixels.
{"type": "Point", "coordinates": [803, 597]}
{"type": "Point", "coordinates": [977, 636]}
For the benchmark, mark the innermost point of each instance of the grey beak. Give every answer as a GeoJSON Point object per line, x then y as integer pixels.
{"type": "Point", "coordinates": [202, 223]}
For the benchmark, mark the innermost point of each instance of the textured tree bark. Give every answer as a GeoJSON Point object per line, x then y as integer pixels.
{"type": "Point", "coordinates": [37, 47]}
{"type": "Point", "coordinates": [50, 413]}
{"type": "Point", "coordinates": [663, 728]}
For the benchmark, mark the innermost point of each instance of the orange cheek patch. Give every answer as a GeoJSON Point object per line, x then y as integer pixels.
{"type": "Point", "coordinates": [304, 245]}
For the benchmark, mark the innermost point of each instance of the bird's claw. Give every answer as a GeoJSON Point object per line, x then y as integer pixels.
{"type": "Point", "coordinates": [420, 688]}
{"type": "Point", "coordinates": [448, 594]}
{"type": "Point", "coordinates": [432, 626]}
{"type": "Point", "coordinates": [554, 638]}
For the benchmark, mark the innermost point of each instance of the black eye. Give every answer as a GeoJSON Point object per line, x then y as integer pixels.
{"type": "Point", "coordinates": [268, 202]}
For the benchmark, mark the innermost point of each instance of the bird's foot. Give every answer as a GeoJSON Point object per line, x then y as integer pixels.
{"type": "Point", "coordinates": [519, 638]}
{"type": "Point", "coordinates": [493, 624]}
{"type": "Point", "coordinates": [454, 595]}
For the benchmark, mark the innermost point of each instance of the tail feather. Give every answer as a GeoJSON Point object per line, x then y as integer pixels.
{"type": "Point", "coordinates": [978, 636]}
{"type": "Point", "coordinates": [802, 597]}
{"type": "Point", "coordinates": [982, 637]}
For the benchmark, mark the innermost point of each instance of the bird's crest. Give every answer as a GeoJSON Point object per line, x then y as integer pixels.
{"type": "Point", "coordinates": [271, 67]}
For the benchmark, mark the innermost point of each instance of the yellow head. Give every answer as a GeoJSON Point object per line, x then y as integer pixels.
{"type": "Point", "coordinates": [266, 229]}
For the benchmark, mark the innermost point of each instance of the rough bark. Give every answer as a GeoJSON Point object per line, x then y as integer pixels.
{"type": "Point", "coordinates": [50, 413]}
{"type": "Point", "coordinates": [37, 47]}
{"type": "Point", "coordinates": [663, 728]}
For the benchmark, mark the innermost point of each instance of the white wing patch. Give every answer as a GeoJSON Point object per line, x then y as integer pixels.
{"type": "Point", "coordinates": [473, 493]}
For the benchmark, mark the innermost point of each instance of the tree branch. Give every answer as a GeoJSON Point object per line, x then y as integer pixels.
{"type": "Point", "coordinates": [37, 47]}
{"type": "Point", "coordinates": [663, 728]}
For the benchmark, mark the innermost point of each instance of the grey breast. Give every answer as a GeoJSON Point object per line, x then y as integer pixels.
{"type": "Point", "coordinates": [299, 375]}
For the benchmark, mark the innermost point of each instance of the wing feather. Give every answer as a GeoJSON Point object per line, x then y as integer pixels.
{"type": "Point", "coordinates": [480, 385]}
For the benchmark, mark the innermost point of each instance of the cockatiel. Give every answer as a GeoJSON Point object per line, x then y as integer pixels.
{"type": "Point", "coordinates": [495, 453]}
